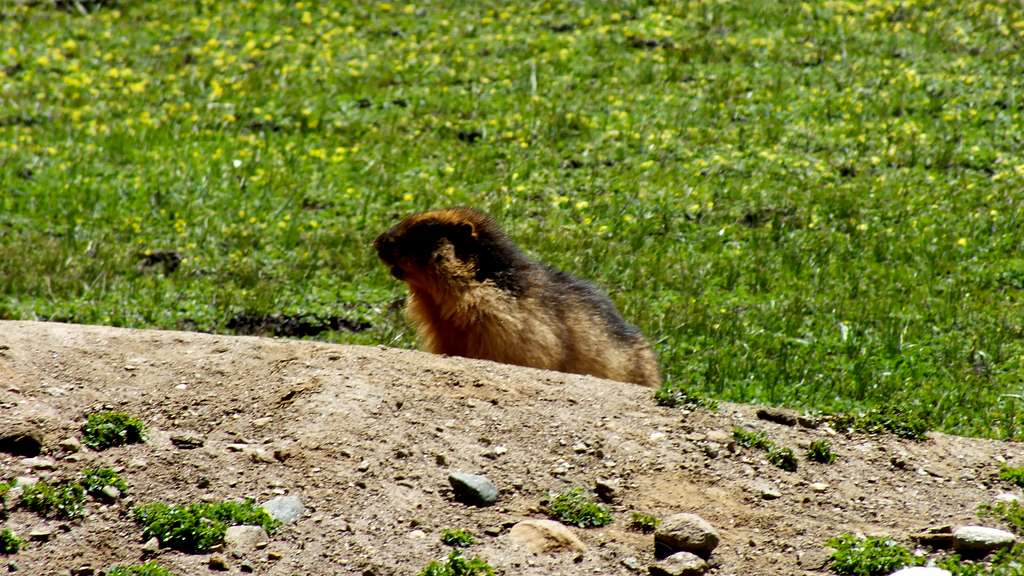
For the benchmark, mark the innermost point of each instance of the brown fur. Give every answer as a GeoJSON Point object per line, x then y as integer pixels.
{"type": "Point", "coordinates": [474, 294]}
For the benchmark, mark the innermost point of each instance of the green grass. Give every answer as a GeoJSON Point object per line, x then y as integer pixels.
{"type": "Point", "coordinates": [868, 556]}
{"type": "Point", "coordinates": [806, 204]}
{"type": "Point", "coordinates": [1012, 475]}
{"type": "Point", "coordinates": [65, 500]}
{"type": "Point", "coordinates": [457, 537]}
{"type": "Point", "coordinates": [198, 527]}
{"type": "Point", "coordinates": [574, 506]}
{"type": "Point", "coordinates": [643, 522]}
{"type": "Point", "coordinates": [821, 451]}
{"type": "Point", "coordinates": [457, 565]}
{"type": "Point", "coordinates": [752, 439]}
{"type": "Point", "coordinates": [889, 418]}
{"type": "Point", "coordinates": [1010, 512]}
{"type": "Point", "coordinates": [104, 430]}
{"type": "Point", "coordinates": [9, 542]}
{"type": "Point", "coordinates": [150, 568]}
{"type": "Point", "coordinates": [783, 458]}
{"type": "Point", "coordinates": [94, 480]}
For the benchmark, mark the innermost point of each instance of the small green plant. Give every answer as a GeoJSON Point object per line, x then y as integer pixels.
{"type": "Point", "coordinates": [574, 507]}
{"type": "Point", "coordinates": [888, 419]}
{"type": "Point", "coordinates": [821, 451]}
{"type": "Point", "coordinates": [1012, 475]}
{"type": "Point", "coordinates": [752, 439]}
{"type": "Point", "coordinates": [782, 458]}
{"type": "Point", "coordinates": [1010, 512]}
{"type": "Point", "coordinates": [1006, 562]}
{"type": "Point", "coordinates": [198, 527]}
{"type": "Point", "coordinates": [150, 568]}
{"type": "Point", "coordinates": [95, 479]}
{"type": "Point", "coordinates": [103, 430]}
{"type": "Point", "coordinates": [457, 537]}
{"type": "Point", "coordinates": [64, 500]}
{"type": "Point", "coordinates": [673, 395]}
{"type": "Point", "coordinates": [642, 522]}
{"type": "Point", "coordinates": [457, 565]}
{"type": "Point", "coordinates": [868, 556]}
{"type": "Point", "coordinates": [5, 487]}
{"type": "Point", "coordinates": [9, 542]}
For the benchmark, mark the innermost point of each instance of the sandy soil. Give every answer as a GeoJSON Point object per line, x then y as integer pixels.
{"type": "Point", "coordinates": [366, 438]}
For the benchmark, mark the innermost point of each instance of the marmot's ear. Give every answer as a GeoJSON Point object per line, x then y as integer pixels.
{"type": "Point", "coordinates": [467, 230]}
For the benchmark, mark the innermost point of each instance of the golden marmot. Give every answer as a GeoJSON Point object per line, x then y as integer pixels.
{"type": "Point", "coordinates": [476, 295]}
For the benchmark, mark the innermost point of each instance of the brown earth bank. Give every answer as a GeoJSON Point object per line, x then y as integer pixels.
{"type": "Point", "coordinates": [366, 437]}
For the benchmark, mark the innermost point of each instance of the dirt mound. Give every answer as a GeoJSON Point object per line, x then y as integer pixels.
{"type": "Point", "coordinates": [366, 437]}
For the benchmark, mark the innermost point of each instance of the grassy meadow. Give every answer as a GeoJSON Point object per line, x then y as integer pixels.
{"type": "Point", "coordinates": [818, 204]}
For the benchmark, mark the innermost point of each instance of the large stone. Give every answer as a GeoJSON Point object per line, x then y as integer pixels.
{"type": "Point", "coordinates": [285, 509]}
{"type": "Point", "coordinates": [685, 533]}
{"type": "Point", "coordinates": [540, 536]}
{"type": "Point", "coordinates": [473, 489]}
{"type": "Point", "coordinates": [679, 564]}
{"type": "Point", "coordinates": [975, 541]}
{"type": "Point", "coordinates": [245, 539]}
{"type": "Point", "coordinates": [922, 571]}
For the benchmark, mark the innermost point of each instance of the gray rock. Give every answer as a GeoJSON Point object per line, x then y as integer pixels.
{"type": "Point", "coordinates": [286, 509]}
{"type": "Point", "coordinates": [719, 436]}
{"type": "Point", "coordinates": [685, 533]}
{"type": "Point", "coordinates": [40, 463]}
{"type": "Point", "coordinates": [110, 493]}
{"type": "Point", "coordinates": [980, 540]}
{"type": "Point", "coordinates": [922, 571]}
{"type": "Point", "coordinates": [70, 444]}
{"type": "Point", "coordinates": [819, 487]}
{"type": "Point", "coordinates": [607, 490]}
{"type": "Point", "coordinates": [25, 481]}
{"type": "Point", "coordinates": [473, 489]}
{"type": "Point", "coordinates": [1007, 497]}
{"type": "Point", "coordinates": [680, 564]}
{"type": "Point", "coordinates": [540, 536]}
{"type": "Point", "coordinates": [766, 490]}
{"type": "Point", "coordinates": [152, 546]}
{"type": "Point", "coordinates": [85, 570]}
{"type": "Point", "coordinates": [245, 539]}
{"type": "Point", "coordinates": [777, 415]}
{"type": "Point", "coordinates": [41, 534]}
{"type": "Point", "coordinates": [187, 440]}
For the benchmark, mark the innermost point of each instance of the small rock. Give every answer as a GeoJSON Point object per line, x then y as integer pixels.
{"type": "Point", "coordinates": [607, 490]}
{"type": "Point", "coordinates": [719, 436]}
{"type": "Point", "coordinates": [680, 564]}
{"type": "Point", "coordinates": [218, 563]}
{"type": "Point", "coordinates": [777, 415]}
{"type": "Point", "coordinates": [83, 571]}
{"type": "Point", "coordinates": [977, 541]}
{"type": "Point", "coordinates": [940, 537]}
{"type": "Point", "coordinates": [417, 534]}
{"type": "Point", "coordinates": [819, 487]}
{"type": "Point", "coordinates": [363, 466]}
{"type": "Point", "coordinates": [152, 546]}
{"type": "Point", "coordinates": [286, 509]}
{"type": "Point", "coordinates": [274, 555]}
{"type": "Point", "coordinates": [138, 463]}
{"type": "Point", "coordinates": [540, 536]}
{"type": "Point", "coordinates": [632, 563]}
{"type": "Point", "coordinates": [579, 447]}
{"type": "Point", "coordinates": [262, 455]}
{"type": "Point", "coordinates": [1007, 498]}
{"type": "Point", "coordinates": [21, 442]}
{"type": "Point", "coordinates": [110, 493]}
{"type": "Point", "coordinates": [493, 530]}
{"type": "Point", "coordinates": [187, 440]}
{"type": "Point", "coordinates": [262, 421]}
{"type": "Point", "coordinates": [25, 481]}
{"type": "Point", "coordinates": [685, 533]}
{"type": "Point", "coordinates": [244, 539]}
{"type": "Point", "coordinates": [39, 463]}
{"type": "Point", "coordinates": [70, 444]}
{"type": "Point", "coordinates": [41, 535]}
{"type": "Point", "coordinates": [766, 490]}
{"type": "Point", "coordinates": [473, 489]}
{"type": "Point", "coordinates": [440, 459]}
{"type": "Point", "coordinates": [922, 571]}
{"type": "Point", "coordinates": [711, 449]}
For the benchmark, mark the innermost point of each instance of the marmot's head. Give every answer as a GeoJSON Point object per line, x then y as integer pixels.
{"type": "Point", "coordinates": [439, 249]}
